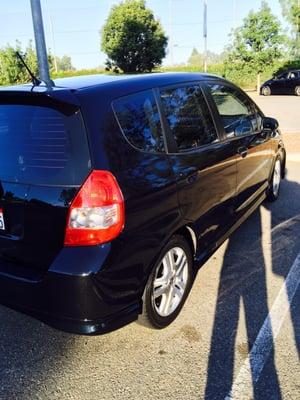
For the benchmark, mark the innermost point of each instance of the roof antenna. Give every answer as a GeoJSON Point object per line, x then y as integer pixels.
{"type": "Point", "coordinates": [35, 81]}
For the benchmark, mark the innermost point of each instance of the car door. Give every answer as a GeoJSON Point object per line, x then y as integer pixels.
{"type": "Point", "coordinates": [204, 167]}
{"type": "Point", "coordinates": [292, 82]}
{"type": "Point", "coordinates": [243, 128]}
{"type": "Point", "coordinates": [279, 84]}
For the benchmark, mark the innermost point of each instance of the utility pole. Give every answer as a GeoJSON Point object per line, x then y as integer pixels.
{"type": "Point", "coordinates": [205, 33]}
{"type": "Point", "coordinates": [40, 42]}
{"type": "Point", "coordinates": [171, 32]}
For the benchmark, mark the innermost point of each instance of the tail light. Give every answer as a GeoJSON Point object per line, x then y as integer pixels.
{"type": "Point", "coordinates": [96, 214]}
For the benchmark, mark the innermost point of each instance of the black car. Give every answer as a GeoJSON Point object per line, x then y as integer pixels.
{"type": "Point", "coordinates": [114, 190]}
{"type": "Point", "coordinates": [285, 83]}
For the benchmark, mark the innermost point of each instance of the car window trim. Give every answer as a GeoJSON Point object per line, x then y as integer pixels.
{"type": "Point", "coordinates": [170, 144]}
{"type": "Point", "coordinates": [172, 147]}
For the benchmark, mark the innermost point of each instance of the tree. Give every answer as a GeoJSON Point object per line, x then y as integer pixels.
{"type": "Point", "coordinates": [132, 38]}
{"type": "Point", "coordinates": [64, 63]}
{"type": "Point", "coordinates": [257, 43]}
{"type": "Point", "coordinates": [291, 11]}
{"type": "Point", "coordinates": [12, 71]}
{"type": "Point", "coordinates": [11, 68]}
{"type": "Point", "coordinates": [197, 58]}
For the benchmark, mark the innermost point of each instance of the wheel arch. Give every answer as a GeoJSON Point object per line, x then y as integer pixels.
{"type": "Point", "coordinates": [189, 234]}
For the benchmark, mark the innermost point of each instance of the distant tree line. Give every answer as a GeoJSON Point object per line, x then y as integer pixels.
{"type": "Point", "coordinates": [134, 42]}
{"type": "Point", "coordinates": [258, 46]}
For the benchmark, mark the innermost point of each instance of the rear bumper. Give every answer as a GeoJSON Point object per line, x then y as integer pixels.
{"type": "Point", "coordinates": [71, 295]}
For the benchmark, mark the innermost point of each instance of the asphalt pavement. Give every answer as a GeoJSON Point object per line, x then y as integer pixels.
{"type": "Point", "coordinates": [237, 337]}
{"type": "Point", "coordinates": [286, 109]}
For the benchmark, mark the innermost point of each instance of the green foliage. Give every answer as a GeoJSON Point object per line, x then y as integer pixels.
{"type": "Point", "coordinates": [64, 63]}
{"type": "Point", "coordinates": [80, 72]}
{"type": "Point", "coordinates": [132, 38]}
{"type": "Point", "coordinates": [12, 70]}
{"type": "Point", "coordinates": [197, 58]}
{"type": "Point", "coordinates": [257, 44]}
{"type": "Point", "coordinates": [291, 11]}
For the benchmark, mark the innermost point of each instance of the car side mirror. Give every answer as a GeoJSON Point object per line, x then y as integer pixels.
{"type": "Point", "coordinates": [270, 124]}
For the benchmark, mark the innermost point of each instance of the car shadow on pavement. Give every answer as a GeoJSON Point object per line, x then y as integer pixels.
{"type": "Point", "coordinates": [31, 356]}
{"type": "Point", "coordinates": [243, 281]}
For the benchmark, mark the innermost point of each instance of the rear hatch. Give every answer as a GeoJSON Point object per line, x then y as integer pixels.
{"type": "Point", "coordinates": [44, 158]}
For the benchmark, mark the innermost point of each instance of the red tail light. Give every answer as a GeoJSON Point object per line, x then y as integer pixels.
{"type": "Point", "coordinates": [97, 213]}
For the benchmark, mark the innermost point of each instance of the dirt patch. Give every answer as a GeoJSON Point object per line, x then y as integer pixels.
{"type": "Point", "coordinates": [190, 333]}
{"type": "Point", "coordinates": [243, 349]}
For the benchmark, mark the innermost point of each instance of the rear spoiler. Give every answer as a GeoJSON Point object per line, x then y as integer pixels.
{"type": "Point", "coordinates": [62, 100]}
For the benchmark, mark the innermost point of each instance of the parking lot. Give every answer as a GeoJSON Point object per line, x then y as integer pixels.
{"type": "Point", "coordinates": [283, 108]}
{"type": "Point", "coordinates": [238, 336]}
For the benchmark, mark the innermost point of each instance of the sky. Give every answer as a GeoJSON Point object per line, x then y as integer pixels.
{"type": "Point", "coordinates": [73, 27]}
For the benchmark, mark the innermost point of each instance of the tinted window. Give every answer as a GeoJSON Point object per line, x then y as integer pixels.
{"type": "Point", "coordinates": [139, 119]}
{"type": "Point", "coordinates": [39, 145]}
{"type": "Point", "coordinates": [294, 74]}
{"type": "Point", "coordinates": [282, 76]}
{"type": "Point", "coordinates": [237, 113]}
{"type": "Point", "coordinates": [188, 117]}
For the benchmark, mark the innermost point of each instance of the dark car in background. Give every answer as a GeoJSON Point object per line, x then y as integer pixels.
{"type": "Point", "coordinates": [285, 83]}
{"type": "Point", "coordinates": [114, 190]}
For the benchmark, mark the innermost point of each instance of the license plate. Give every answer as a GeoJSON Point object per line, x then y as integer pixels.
{"type": "Point", "coordinates": [2, 225]}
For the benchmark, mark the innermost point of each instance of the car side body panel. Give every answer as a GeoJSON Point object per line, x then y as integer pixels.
{"type": "Point", "coordinates": [96, 289]}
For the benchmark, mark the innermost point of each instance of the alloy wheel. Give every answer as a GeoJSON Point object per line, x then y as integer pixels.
{"type": "Point", "coordinates": [276, 178]}
{"type": "Point", "coordinates": [266, 91]}
{"type": "Point", "coordinates": [170, 282]}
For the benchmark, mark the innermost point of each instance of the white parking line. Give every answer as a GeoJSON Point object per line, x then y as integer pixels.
{"type": "Point", "coordinates": [270, 329]}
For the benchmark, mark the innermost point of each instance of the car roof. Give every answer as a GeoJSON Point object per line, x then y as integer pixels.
{"type": "Point", "coordinates": [289, 71]}
{"type": "Point", "coordinates": [85, 82]}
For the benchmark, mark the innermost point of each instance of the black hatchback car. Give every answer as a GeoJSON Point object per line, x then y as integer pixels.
{"type": "Point", "coordinates": [285, 83]}
{"type": "Point", "coordinates": [114, 190]}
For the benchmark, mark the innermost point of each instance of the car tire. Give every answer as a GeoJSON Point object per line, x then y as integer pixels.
{"type": "Point", "coordinates": [169, 284]}
{"type": "Point", "coordinates": [297, 90]}
{"type": "Point", "coordinates": [266, 91]}
{"type": "Point", "coordinates": [274, 184]}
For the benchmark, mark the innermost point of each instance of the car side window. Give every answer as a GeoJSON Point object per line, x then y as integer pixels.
{"type": "Point", "coordinates": [139, 119]}
{"type": "Point", "coordinates": [282, 76]}
{"type": "Point", "coordinates": [237, 113]}
{"type": "Point", "coordinates": [188, 117]}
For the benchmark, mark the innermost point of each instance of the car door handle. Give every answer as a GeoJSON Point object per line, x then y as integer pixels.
{"type": "Point", "coordinates": [243, 151]}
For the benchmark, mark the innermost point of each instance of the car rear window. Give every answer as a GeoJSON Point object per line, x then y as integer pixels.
{"type": "Point", "coordinates": [40, 145]}
{"type": "Point", "coordinates": [139, 119]}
